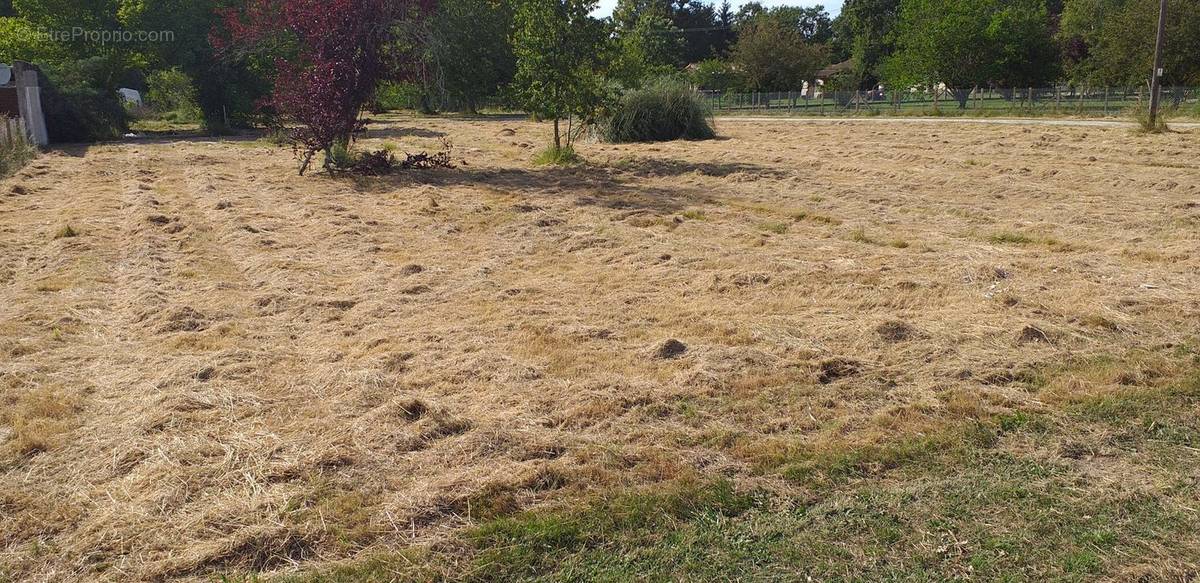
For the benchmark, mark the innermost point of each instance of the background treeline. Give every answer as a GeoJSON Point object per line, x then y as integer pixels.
{"type": "Point", "coordinates": [468, 59]}
{"type": "Point", "coordinates": [963, 44]}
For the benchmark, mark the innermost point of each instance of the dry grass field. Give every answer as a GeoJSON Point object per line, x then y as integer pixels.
{"type": "Point", "coordinates": [839, 350]}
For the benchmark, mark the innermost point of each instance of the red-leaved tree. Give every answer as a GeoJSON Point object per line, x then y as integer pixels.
{"type": "Point", "coordinates": [329, 57]}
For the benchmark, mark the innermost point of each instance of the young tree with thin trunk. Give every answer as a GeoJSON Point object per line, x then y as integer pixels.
{"type": "Point", "coordinates": [558, 46]}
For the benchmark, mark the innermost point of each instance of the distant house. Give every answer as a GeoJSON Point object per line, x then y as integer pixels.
{"type": "Point", "coordinates": [816, 90]}
{"type": "Point", "coordinates": [835, 69]}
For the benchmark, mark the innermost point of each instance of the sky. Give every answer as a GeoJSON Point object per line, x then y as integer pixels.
{"type": "Point", "coordinates": [833, 6]}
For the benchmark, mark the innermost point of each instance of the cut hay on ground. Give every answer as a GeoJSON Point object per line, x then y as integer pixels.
{"type": "Point", "coordinates": [231, 368]}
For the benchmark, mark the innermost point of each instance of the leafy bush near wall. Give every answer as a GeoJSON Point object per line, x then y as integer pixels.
{"type": "Point", "coordinates": [171, 94]}
{"type": "Point", "coordinates": [78, 106]}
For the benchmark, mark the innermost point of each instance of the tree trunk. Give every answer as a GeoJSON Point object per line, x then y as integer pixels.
{"type": "Point", "coordinates": [308, 156]}
{"type": "Point", "coordinates": [557, 135]}
{"type": "Point", "coordinates": [962, 96]}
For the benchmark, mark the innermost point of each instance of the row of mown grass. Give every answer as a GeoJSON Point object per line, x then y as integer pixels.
{"type": "Point", "coordinates": [1102, 487]}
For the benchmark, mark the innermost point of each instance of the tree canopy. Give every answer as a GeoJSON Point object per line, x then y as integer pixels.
{"type": "Point", "coordinates": [972, 43]}
{"type": "Point", "coordinates": [773, 54]}
{"type": "Point", "coordinates": [1111, 42]}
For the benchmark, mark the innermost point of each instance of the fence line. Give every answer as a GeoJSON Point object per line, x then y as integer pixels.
{"type": "Point", "coordinates": [1029, 101]}
{"type": "Point", "coordinates": [1082, 101]}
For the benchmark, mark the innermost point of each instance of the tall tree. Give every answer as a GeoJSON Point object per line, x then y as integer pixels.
{"type": "Point", "coordinates": [772, 54]}
{"type": "Point", "coordinates": [703, 34]}
{"type": "Point", "coordinates": [864, 31]}
{"type": "Point", "coordinates": [469, 50]}
{"type": "Point", "coordinates": [558, 47]}
{"type": "Point", "coordinates": [648, 46]}
{"type": "Point", "coordinates": [1112, 41]}
{"type": "Point", "coordinates": [813, 23]}
{"type": "Point", "coordinates": [226, 89]}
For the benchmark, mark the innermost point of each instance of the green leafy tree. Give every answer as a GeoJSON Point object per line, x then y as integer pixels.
{"type": "Point", "coordinates": [970, 43]}
{"type": "Point", "coordinates": [226, 89]}
{"type": "Point", "coordinates": [65, 15]}
{"type": "Point", "coordinates": [469, 50]}
{"type": "Point", "coordinates": [20, 41]}
{"type": "Point", "coordinates": [1025, 50]}
{"type": "Point", "coordinates": [813, 23]}
{"type": "Point", "coordinates": [706, 29]}
{"type": "Point", "coordinates": [108, 62]}
{"type": "Point", "coordinates": [1111, 42]}
{"type": "Point", "coordinates": [697, 30]}
{"type": "Point", "coordinates": [864, 34]}
{"type": "Point", "coordinates": [1081, 27]}
{"type": "Point", "coordinates": [558, 45]}
{"type": "Point", "coordinates": [713, 74]}
{"type": "Point", "coordinates": [648, 46]}
{"type": "Point", "coordinates": [81, 74]}
{"type": "Point", "coordinates": [771, 54]}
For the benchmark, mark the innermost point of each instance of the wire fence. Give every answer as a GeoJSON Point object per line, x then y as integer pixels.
{"type": "Point", "coordinates": [1076, 101]}
{"type": "Point", "coordinates": [999, 102]}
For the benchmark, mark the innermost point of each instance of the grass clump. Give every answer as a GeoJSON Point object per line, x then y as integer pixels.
{"type": "Point", "coordinates": [1011, 238]}
{"type": "Point", "coordinates": [593, 540]}
{"type": "Point", "coordinates": [399, 567]}
{"type": "Point", "coordinates": [552, 156]}
{"type": "Point", "coordinates": [774, 227]}
{"type": "Point", "coordinates": [15, 154]}
{"type": "Point", "coordinates": [1146, 127]}
{"type": "Point", "coordinates": [1017, 238]}
{"type": "Point", "coordinates": [39, 419]}
{"type": "Point", "coordinates": [66, 232]}
{"type": "Point", "coordinates": [659, 112]}
{"type": "Point", "coordinates": [861, 236]}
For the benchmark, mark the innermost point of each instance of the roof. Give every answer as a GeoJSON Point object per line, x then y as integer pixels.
{"type": "Point", "coordinates": [836, 68]}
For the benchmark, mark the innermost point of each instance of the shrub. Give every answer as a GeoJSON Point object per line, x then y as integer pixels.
{"type": "Point", "coordinates": [339, 53]}
{"type": "Point", "coordinates": [339, 156]}
{"type": "Point", "coordinates": [394, 96]}
{"type": "Point", "coordinates": [662, 111]}
{"type": "Point", "coordinates": [552, 156]}
{"type": "Point", "coordinates": [715, 75]}
{"type": "Point", "coordinates": [171, 94]}
{"type": "Point", "coordinates": [78, 105]}
{"type": "Point", "coordinates": [1143, 120]}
